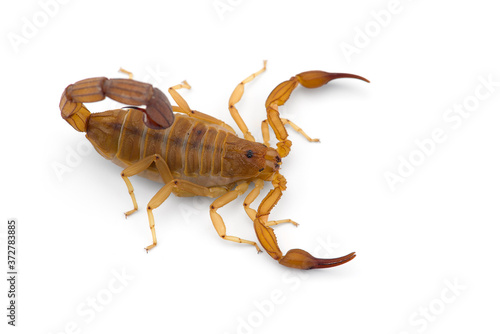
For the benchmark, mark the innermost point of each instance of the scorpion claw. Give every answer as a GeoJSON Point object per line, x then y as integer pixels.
{"type": "Point", "coordinates": [300, 259]}
{"type": "Point", "coordinates": [280, 94]}
{"type": "Point", "coordinates": [315, 79]}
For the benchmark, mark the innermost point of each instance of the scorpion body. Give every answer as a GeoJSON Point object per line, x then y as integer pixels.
{"type": "Point", "coordinates": [195, 154]}
{"type": "Point", "coordinates": [195, 150]}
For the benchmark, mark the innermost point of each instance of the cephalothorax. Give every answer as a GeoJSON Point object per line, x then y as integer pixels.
{"type": "Point", "coordinates": [195, 154]}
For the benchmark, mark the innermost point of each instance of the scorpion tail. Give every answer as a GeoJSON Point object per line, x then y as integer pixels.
{"type": "Point", "coordinates": [74, 112]}
{"type": "Point", "coordinates": [280, 94]}
{"type": "Point", "coordinates": [158, 112]}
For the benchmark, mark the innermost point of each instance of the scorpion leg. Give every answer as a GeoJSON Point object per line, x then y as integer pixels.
{"type": "Point", "coordinates": [280, 94]}
{"type": "Point", "coordinates": [137, 168]}
{"type": "Point", "coordinates": [158, 111]}
{"type": "Point", "coordinates": [259, 184]}
{"type": "Point", "coordinates": [219, 225]}
{"type": "Point", "coordinates": [171, 184]}
{"type": "Point", "coordinates": [295, 258]}
{"type": "Point", "coordinates": [141, 166]}
{"type": "Point", "coordinates": [183, 107]}
{"type": "Point", "coordinates": [236, 97]}
{"type": "Point", "coordinates": [265, 131]}
{"type": "Point", "coordinates": [128, 73]}
{"type": "Point", "coordinates": [164, 193]}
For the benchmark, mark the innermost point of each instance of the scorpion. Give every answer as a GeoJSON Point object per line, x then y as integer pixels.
{"type": "Point", "coordinates": [195, 154]}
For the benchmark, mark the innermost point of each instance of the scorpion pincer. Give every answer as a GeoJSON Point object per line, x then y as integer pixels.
{"type": "Point", "coordinates": [194, 154]}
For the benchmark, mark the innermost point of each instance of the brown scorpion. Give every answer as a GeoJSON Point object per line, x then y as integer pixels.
{"type": "Point", "coordinates": [195, 154]}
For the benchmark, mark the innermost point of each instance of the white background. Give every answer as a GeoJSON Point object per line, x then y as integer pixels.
{"type": "Point", "coordinates": [438, 228]}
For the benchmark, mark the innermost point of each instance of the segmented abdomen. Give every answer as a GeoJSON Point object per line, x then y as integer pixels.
{"type": "Point", "coordinates": [193, 149]}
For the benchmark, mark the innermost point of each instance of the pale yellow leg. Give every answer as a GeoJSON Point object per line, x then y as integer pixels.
{"type": "Point", "coordinates": [265, 131]}
{"type": "Point", "coordinates": [281, 221]}
{"type": "Point", "coordinates": [299, 130]}
{"type": "Point", "coordinates": [219, 225]}
{"type": "Point", "coordinates": [164, 192]}
{"type": "Point", "coordinates": [139, 167]}
{"type": "Point", "coordinates": [183, 107]}
{"type": "Point", "coordinates": [178, 98]}
{"type": "Point", "coordinates": [259, 184]}
{"type": "Point", "coordinates": [236, 97]}
{"type": "Point", "coordinates": [128, 73]}
{"type": "Point", "coordinates": [156, 201]}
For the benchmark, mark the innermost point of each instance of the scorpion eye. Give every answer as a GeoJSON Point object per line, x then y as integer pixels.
{"type": "Point", "coordinates": [249, 154]}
